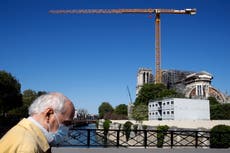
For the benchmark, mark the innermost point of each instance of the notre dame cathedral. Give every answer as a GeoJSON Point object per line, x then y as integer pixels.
{"type": "Point", "coordinates": [195, 85]}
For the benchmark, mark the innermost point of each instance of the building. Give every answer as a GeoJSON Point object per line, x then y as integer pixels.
{"type": "Point", "coordinates": [144, 76]}
{"type": "Point", "coordinates": [195, 85]}
{"type": "Point", "coordinates": [179, 109]}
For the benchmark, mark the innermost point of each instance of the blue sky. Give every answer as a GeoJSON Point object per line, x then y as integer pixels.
{"type": "Point", "coordinates": [93, 58]}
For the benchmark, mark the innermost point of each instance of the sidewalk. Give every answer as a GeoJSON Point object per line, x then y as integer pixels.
{"type": "Point", "coordinates": [137, 150]}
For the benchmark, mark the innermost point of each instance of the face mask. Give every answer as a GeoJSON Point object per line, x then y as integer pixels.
{"type": "Point", "coordinates": [59, 136]}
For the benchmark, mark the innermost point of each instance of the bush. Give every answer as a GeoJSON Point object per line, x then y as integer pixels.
{"type": "Point", "coordinates": [106, 125]}
{"type": "Point", "coordinates": [220, 136]}
{"type": "Point", "coordinates": [135, 127]}
{"type": "Point", "coordinates": [161, 132]}
{"type": "Point", "coordinates": [127, 129]}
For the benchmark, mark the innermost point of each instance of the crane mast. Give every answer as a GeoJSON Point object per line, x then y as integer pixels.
{"type": "Point", "coordinates": [157, 12]}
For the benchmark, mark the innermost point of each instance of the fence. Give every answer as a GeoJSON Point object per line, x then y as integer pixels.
{"type": "Point", "coordinates": [139, 138]}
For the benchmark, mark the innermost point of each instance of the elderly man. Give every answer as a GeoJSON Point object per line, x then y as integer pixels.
{"type": "Point", "coordinates": [48, 123]}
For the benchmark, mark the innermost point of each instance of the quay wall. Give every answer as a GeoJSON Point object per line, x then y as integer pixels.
{"type": "Point", "coordinates": [186, 124]}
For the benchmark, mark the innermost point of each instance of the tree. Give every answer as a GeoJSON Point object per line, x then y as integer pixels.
{"type": "Point", "coordinates": [121, 109]}
{"type": "Point", "coordinates": [28, 97]}
{"type": "Point", "coordinates": [10, 92]}
{"type": "Point", "coordinates": [220, 112]}
{"type": "Point", "coordinates": [82, 113]}
{"type": "Point", "coordinates": [140, 112]}
{"type": "Point", "coordinates": [213, 101]}
{"type": "Point", "coordinates": [154, 91]}
{"type": "Point", "coordinates": [104, 109]}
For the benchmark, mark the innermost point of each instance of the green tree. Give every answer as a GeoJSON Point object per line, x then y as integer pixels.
{"type": "Point", "coordinates": [10, 92]}
{"type": "Point", "coordinates": [213, 101]}
{"type": "Point", "coordinates": [28, 97]}
{"type": "Point", "coordinates": [140, 112]}
{"type": "Point", "coordinates": [104, 109]}
{"type": "Point", "coordinates": [121, 109]}
{"type": "Point", "coordinates": [153, 92]}
{"type": "Point", "coordinates": [41, 93]}
{"type": "Point", "coordinates": [220, 112]}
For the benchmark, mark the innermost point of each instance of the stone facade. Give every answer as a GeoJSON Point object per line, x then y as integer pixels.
{"type": "Point", "coordinates": [195, 85]}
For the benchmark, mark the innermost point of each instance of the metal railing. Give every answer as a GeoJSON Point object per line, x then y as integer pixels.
{"type": "Point", "coordinates": [138, 138]}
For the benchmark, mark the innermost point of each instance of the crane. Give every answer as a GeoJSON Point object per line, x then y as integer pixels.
{"type": "Point", "coordinates": [157, 12]}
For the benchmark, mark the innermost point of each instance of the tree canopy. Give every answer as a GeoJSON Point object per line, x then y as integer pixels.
{"type": "Point", "coordinates": [121, 109]}
{"type": "Point", "coordinates": [10, 92]}
{"type": "Point", "coordinates": [154, 91]}
{"type": "Point", "coordinates": [104, 109]}
{"type": "Point", "coordinates": [140, 112]}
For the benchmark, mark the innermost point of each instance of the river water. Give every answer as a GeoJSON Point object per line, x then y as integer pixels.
{"type": "Point", "coordinates": [79, 136]}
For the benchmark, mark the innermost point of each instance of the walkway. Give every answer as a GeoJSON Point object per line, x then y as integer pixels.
{"type": "Point", "coordinates": [137, 150]}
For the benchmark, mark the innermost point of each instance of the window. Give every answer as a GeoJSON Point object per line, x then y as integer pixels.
{"type": "Point", "coordinates": [172, 102]}
{"type": "Point", "coordinates": [172, 112]}
{"type": "Point", "coordinates": [167, 112]}
{"type": "Point", "coordinates": [167, 103]}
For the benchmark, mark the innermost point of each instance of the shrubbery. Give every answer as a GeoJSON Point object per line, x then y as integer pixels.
{"type": "Point", "coordinates": [127, 129]}
{"type": "Point", "coordinates": [161, 132]}
{"type": "Point", "coordinates": [220, 136]}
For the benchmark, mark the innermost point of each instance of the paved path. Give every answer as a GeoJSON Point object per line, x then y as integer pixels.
{"type": "Point", "coordinates": [137, 150]}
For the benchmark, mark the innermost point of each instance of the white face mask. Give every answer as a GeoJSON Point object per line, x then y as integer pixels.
{"type": "Point", "coordinates": [60, 135]}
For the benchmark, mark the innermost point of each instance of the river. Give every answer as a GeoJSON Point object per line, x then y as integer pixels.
{"type": "Point", "coordinates": [79, 136]}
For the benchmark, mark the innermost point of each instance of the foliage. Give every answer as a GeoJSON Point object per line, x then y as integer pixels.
{"type": "Point", "coordinates": [41, 93]}
{"type": "Point", "coordinates": [213, 101]}
{"type": "Point", "coordinates": [140, 112]}
{"type": "Point", "coordinates": [10, 92]}
{"type": "Point", "coordinates": [220, 112]}
{"type": "Point", "coordinates": [104, 108]}
{"type": "Point", "coordinates": [154, 91]}
{"type": "Point", "coordinates": [106, 124]}
{"type": "Point", "coordinates": [127, 129]}
{"type": "Point", "coordinates": [220, 136]}
{"type": "Point", "coordinates": [114, 116]}
{"type": "Point", "coordinates": [121, 109]}
{"type": "Point", "coordinates": [144, 127]}
{"type": "Point", "coordinates": [161, 132]}
{"type": "Point", "coordinates": [135, 128]}
{"type": "Point", "coordinates": [28, 97]}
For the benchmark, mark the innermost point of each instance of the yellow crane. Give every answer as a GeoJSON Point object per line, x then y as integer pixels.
{"type": "Point", "coordinates": [158, 75]}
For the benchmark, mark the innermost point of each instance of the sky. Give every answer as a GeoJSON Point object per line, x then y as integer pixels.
{"type": "Point", "coordinates": [93, 58]}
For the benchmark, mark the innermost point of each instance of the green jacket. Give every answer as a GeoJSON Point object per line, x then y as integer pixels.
{"type": "Point", "coordinates": [25, 137]}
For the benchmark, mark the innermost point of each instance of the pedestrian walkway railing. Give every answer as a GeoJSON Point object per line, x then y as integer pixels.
{"type": "Point", "coordinates": [140, 138]}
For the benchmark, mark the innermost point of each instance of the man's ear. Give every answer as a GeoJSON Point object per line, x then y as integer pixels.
{"type": "Point", "coordinates": [48, 113]}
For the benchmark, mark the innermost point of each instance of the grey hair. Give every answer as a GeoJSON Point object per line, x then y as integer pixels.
{"type": "Point", "coordinates": [50, 100]}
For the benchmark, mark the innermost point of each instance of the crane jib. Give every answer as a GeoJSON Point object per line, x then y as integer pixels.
{"type": "Point", "coordinates": [120, 11]}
